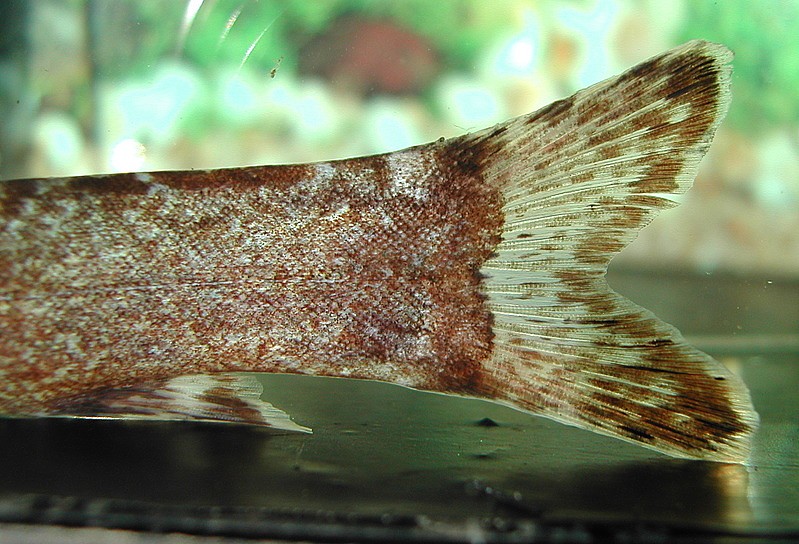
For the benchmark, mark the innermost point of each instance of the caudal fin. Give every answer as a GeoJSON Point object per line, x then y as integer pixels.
{"type": "Point", "coordinates": [580, 178]}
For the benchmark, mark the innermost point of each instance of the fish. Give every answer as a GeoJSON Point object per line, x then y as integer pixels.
{"type": "Point", "coordinates": [471, 266]}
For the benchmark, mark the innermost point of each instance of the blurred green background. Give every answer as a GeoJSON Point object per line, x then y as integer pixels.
{"type": "Point", "coordinates": [118, 85]}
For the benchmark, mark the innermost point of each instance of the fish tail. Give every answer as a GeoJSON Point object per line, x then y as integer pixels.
{"type": "Point", "coordinates": [579, 179]}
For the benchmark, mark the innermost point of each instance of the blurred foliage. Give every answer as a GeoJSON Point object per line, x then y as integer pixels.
{"type": "Point", "coordinates": [765, 39]}
{"type": "Point", "coordinates": [272, 32]}
{"type": "Point", "coordinates": [459, 29]}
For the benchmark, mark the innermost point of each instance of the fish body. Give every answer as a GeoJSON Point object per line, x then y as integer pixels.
{"type": "Point", "coordinates": [472, 266]}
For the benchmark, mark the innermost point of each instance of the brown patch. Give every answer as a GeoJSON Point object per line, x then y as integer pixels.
{"type": "Point", "coordinates": [582, 177]}
{"type": "Point", "coordinates": [498, 131]}
{"type": "Point", "coordinates": [610, 152]}
{"type": "Point", "coordinates": [16, 193]}
{"type": "Point", "coordinates": [231, 404]}
{"type": "Point", "coordinates": [273, 177]}
{"type": "Point", "coordinates": [109, 400]}
{"type": "Point", "coordinates": [661, 176]}
{"type": "Point", "coordinates": [468, 156]}
{"type": "Point", "coordinates": [590, 111]}
{"type": "Point", "coordinates": [553, 111]}
{"type": "Point", "coordinates": [127, 184]}
{"type": "Point", "coordinates": [636, 433]}
{"type": "Point", "coordinates": [702, 75]}
{"type": "Point", "coordinates": [642, 70]}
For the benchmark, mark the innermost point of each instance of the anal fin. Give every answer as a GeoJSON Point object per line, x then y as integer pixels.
{"type": "Point", "coordinates": [230, 398]}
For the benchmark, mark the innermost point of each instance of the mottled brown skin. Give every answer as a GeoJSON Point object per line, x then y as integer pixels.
{"type": "Point", "coordinates": [365, 268]}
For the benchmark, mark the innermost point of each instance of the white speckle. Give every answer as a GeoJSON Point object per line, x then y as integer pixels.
{"type": "Point", "coordinates": [13, 226]}
{"type": "Point", "coordinates": [680, 113]}
{"type": "Point", "coordinates": [408, 176]}
{"type": "Point", "coordinates": [322, 176]}
{"type": "Point", "coordinates": [144, 177]}
{"type": "Point", "coordinates": [156, 188]}
{"type": "Point", "coordinates": [324, 171]}
{"type": "Point", "coordinates": [338, 212]}
{"type": "Point", "coordinates": [132, 216]}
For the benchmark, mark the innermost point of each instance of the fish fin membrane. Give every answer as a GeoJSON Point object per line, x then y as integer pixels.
{"type": "Point", "coordinates": [229, 398]}
{"type": "Point", "coordinates": [579, 179]}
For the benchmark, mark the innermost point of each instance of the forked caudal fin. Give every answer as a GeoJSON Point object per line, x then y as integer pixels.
{"type": "Point", "coordinates": [579, 179]}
